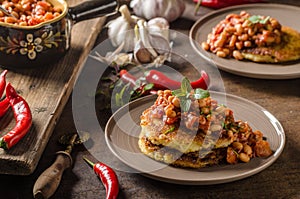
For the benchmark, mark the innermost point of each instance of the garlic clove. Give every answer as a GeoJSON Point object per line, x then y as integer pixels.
{"type": "Point", "coordinates": [141, 54]}
{"type": "Point", "coordinates": [144, 36]}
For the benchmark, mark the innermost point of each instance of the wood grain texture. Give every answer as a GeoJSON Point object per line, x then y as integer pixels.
{"type": "Point", "coordinates": [280, 180]}
{"type": "Point", "coordinates": [46, 91]}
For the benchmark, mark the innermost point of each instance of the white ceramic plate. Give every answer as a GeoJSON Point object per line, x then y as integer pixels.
{"type": "Point", "coordinates": [122, 131]}
{"type": "Point", "coordinates": [285, 14]}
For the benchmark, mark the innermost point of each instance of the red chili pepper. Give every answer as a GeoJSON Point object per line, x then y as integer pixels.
{"type": "Point", "coordinates": [161, 81]}
{"type": "Point", "coordinates": [126, 77]}
{"type": "Point", "coordinates": [223, 3]}
{"type": "Point", "coordinates": [2, 82]}
{"type": "Point", "coordinates": [4, 106]}
{"type": "Point", "coordinates": [108, 178]}
{"type": "Point", "coordinates": [23, 117]}
{"type": "Point", "coordinates": [202, 82]}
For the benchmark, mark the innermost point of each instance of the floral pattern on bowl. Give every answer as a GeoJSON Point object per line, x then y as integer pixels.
{"type": "Point", "coordinates": [30, 45]}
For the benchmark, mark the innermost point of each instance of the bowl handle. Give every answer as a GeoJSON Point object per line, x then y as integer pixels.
{"type": "Point", "coordinates": [92, 9]}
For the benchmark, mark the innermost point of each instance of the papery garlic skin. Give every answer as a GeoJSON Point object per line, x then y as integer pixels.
{"type": "Point", "coordinates": [115, 58]}
{"type": "Point", "coordinates": [120, 30]}
{"type": "Point", "coordinates": [160, 26]}
{"type": "Point", "coordinates": [168, 9]}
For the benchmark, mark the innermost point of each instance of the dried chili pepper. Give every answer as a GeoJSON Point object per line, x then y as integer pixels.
{"type": "Point", "coordinates": [22, 115]}
{"type": "Point", "coordinates": [108, 178]}
{"type": "Point", "coordinates": [161, 81]}
{"type": "Point", "coordinates": [223, 3]}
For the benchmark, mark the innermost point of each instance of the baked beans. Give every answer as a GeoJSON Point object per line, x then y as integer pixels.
{"type": "Point", "coordinates": [28, 12]}
{"type": "Point", "coordinates": [240, 31]}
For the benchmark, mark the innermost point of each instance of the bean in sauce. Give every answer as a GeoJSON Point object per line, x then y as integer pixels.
{"type": "Point", "coordinates": [28, 12]}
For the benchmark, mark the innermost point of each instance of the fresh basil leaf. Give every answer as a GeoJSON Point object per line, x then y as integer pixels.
{"type": "Point", "coordinates": [178, 93]}
{"type": "Point", "coordinates": [184, 94]}
{"type": "Point", "coordinates": [254, 18]}
{"type": "Point", "coordinates": [148, 87]}
{"type": "Point", "coordinates": [258, 19]}
{"type": "Point", "coordinates": [200, 93]}
{"type": "Point", "coordinates": [185, 104]}
{"type": "Point", "coordinates": [186, 85]}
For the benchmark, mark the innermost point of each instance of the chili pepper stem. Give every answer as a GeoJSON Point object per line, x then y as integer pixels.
{"type": "Point", "coordinates": [3, 144]}
{"type": "Point", "coordinates": [198, 6]}
{"type": "Point", "coordinates": [89, 162]}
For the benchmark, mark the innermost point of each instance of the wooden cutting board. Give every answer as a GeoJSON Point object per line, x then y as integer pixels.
{"type": "Point", "coordinates": [46, 91]}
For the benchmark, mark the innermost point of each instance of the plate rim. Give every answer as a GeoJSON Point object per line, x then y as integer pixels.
{"type": "Point", "coordinates": [212, 58]}
{"type": "Point", "coordinates": [156, 174]}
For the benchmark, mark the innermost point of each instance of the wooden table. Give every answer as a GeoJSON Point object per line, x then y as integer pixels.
{"type": "Point", "coordinates": [280, 180]}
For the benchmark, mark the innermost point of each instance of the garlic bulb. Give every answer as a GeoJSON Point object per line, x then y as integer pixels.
{"type": "Point", "coordinates": [120, 30]}
{"type": "Point", "coordinates": [142, 41]}
{"type": "Point", "coordinates": [148, 9]}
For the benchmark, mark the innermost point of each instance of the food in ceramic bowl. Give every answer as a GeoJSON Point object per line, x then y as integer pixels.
{"type": "Point", "coordinates": [40, 34]}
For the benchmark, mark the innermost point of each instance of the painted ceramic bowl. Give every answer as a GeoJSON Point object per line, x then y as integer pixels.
{"type": "Point", "coordinates": [46, 42]}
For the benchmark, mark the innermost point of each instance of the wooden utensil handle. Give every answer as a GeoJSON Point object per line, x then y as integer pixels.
{"type": "Point", "coordinates": [48, 181]}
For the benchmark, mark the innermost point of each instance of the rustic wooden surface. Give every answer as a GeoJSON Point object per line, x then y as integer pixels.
{"type": "Point", "coordinates": [47, 91]}
{"type": "Point", "coordinates": [280, 180]}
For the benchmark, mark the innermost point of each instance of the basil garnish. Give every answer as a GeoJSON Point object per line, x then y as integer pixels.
{"type": "Point", "coordinates": [258, 19]}
{"type": "Point", "coordinates": [184, 94]}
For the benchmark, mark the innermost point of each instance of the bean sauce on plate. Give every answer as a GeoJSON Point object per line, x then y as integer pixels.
{"type": "Point", "coordinates": [241, 31]}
